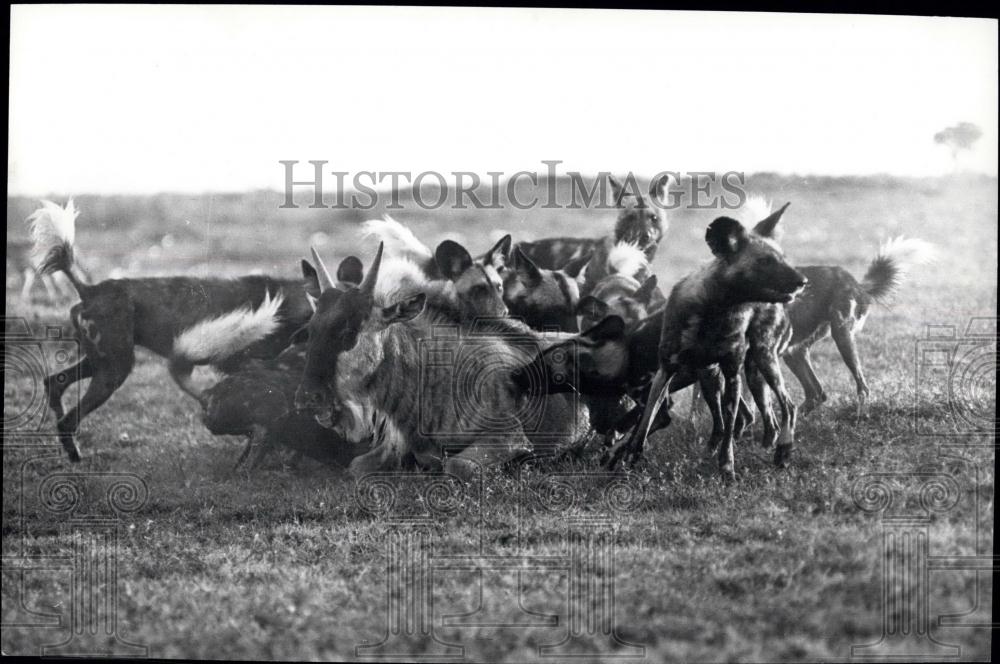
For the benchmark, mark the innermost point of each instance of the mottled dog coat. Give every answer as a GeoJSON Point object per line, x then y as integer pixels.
{"type": "Point", "coordinates": [187, 320]}
{"type": "Point", "coordinates": [835, 303]}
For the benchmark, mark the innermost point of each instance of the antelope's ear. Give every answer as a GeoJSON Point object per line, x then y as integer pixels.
{"type": "Point", "coordinates": [499, 255]}
{"type": "Point", "coordinates": [592, 308]}
{"type": "Point", "coordinates": [452, 259]}
{"type": "Point", "coordinates": [574, 268]}
{"type": "Point", "coordinates": [404, 310]}
{"type": "Point", "coordinates": [610, 327]}
{"type": "Point", "coordinates": [311, 279]}
{"type": "Point", "coordinates": [645, 292]}
{"type": "Point", "coordinates": [350, 271]}
{"type": "Point", "coordinates": [725, 237]}
{"type": "Point", "coordinates": [527, 272]}
{"type": "Point", "coordinates": [767, 227]}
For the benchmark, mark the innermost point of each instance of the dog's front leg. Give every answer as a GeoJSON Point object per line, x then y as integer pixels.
{"type": "Point", "coordinates": [730, 405]}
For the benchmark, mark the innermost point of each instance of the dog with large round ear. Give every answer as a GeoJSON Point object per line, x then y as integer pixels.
{"type": "Point", "coordinates": [350, 271]}
{"type": "Point", "coordinates": [725, 237]}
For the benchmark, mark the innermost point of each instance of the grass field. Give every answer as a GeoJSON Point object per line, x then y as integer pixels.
{"type": "Point", "coordinates": [285, 563]}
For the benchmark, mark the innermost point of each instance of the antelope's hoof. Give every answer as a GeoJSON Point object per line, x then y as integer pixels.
{"type": "Point", "coordinates": [783, 456]}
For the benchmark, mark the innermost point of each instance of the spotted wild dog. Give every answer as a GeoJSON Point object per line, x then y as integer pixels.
{"type": "Point", "coordinates": [497, 283]}
{"type": "Point", "coordinates": [187, 320]}
{"type": "Point", "coordinates": [258, 400]}
{"type": "Point", "coordinates": [705, 325]}
{"type": "Point", "coordinates": [629, 290]}
{"type": "Point", "coordinates": [835, 303]}
{"type": "Point", "coordinates": [640, 221]}
{"type": "Point", "coordinates": [383, 362]}
{"type": "Point", "coordinates": [544, 299]}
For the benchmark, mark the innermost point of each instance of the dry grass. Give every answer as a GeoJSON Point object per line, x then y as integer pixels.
{"type": "Point", "coordinates": [284, 564]}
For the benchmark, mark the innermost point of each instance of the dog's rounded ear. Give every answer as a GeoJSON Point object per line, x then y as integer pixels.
{"type": "Point", "coordinates": [610, 327]}
{"type": "Point", "coordinates": [350, 271]}
{"type": "Point", "coordinates": [592, 307]}
{"type": "Point", "coordinates": [499, 255]}
{"type": "Point", "coordinates": [725, 236]}
{"type": "Point", "coordinates": [766, 228]}
{"type": "Point", "coordinates": [311, 278]}
{"type": "Point", "coordinates": [527, 272]}
{"type": "Point", "coordinates": [452, 259]}
{"type": "Point", "coordinates": [645, 292]}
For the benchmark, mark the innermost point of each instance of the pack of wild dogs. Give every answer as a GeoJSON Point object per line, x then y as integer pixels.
{"type": "Point", "coordinates": [448, 361]}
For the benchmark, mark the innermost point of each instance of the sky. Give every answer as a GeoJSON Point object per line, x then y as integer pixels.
{"type": "Point", "coordinates": [142, 99]}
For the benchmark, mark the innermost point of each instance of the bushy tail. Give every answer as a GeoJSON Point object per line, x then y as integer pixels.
{"type": "Point", "coordinates": [212, 341]}
{"type": "Point", "coordinates": [629, 260]}
{"type": "Point", "coordinates": [398, 239]}
{"type": "Point", "coordinates": [890, 266]}
{"type": "Point", "coordinates": [53, 232]}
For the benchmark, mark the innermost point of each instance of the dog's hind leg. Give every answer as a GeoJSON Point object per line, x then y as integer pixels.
{"type": "Point", "coordinates": [843, 336]}
{"type": "Point", "coordinates": [57, 383]}
{"type": "Point", "coordinates": [29, 281]}
{"type": "Point", "coordinates": [105, 327]}
{"type": "Point", "coordinates": [712, 386]}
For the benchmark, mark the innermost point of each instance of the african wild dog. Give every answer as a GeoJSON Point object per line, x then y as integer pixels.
{"type": "Point", "coordinates": [475, 286]}
{"type": "Point", "coordinates": [544, 299]}
{"type": "Point", "coordinates": [629, 290]}
{"type": "Point", "coordinates": [705, 325]}
{"type": "Point", "coordinates": [495, 284]}
{"type": "Point", "coordinates": [258, 400]}
{"type": "Point", "coordinates": [835, 303]}
{"type": "Point", "coordinates": [378, 363]}
{"type": "Point", "coordinates": [640, 222]}
{"type": "Point", "coordinates": [187, 320]}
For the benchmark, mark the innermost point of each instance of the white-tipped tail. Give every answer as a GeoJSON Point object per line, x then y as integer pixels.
{"type": "Point", "coordinates": [398, 239]}
{"type": "Point", "coordinates": [755, 208]}
{"type": "Point", "coordinates": [53, 232]}
{"type": "Point", "coordinates": [213, 340]}
{"type": "Point", "coordinates": [891, 265]}
{"type": "Point", "coordinates": [627, 259]}
{"type": "Point", "coordinates": [907, 251]}
{"type": "Point", "coordinates": [397, 278]}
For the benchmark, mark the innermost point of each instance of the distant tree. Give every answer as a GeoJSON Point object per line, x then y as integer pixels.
{"type": "Point", "coordinates": [958, 138]}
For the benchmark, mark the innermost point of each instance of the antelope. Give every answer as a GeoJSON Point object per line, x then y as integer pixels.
{"type": "Point", "coordinates": [382, 362]}
{"type": "Point", "coordinates": [189, 321]}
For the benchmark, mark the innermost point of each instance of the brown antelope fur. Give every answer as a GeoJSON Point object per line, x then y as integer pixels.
{"type": "Point", "coordinates": [189, 321]}
{"type": "Point", "coordinates": [705, 327]}
{"type": "Point", "coordinates": [377, 361]}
